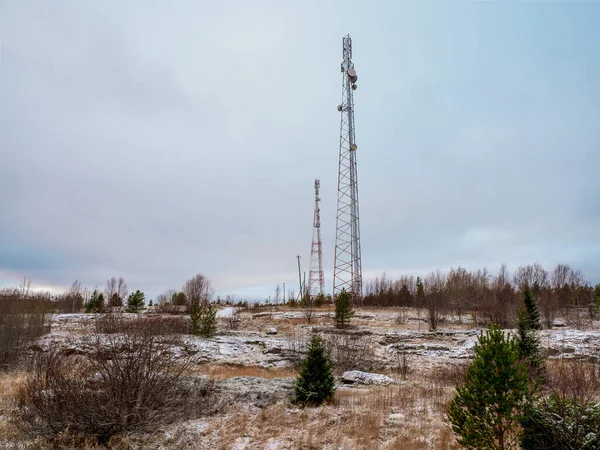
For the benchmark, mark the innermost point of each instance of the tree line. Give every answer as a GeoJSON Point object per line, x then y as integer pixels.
{"type": "Point", "coordinates": [477, 294]}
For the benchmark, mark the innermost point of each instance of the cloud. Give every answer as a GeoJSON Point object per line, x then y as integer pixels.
{"type": "Point", "coordinates": [154, 143]}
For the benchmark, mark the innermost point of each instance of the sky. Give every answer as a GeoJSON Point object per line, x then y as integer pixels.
{"type": "Point", "coordinates": [155, 140]}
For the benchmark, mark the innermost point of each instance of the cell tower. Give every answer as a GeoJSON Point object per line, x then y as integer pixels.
{"type": "Point", "coordinates": [347, 273]}
{"type": "Point", "coordinates": [316, 278]}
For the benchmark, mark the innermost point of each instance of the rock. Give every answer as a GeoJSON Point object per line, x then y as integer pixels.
{"type": "Point", "coordinates": [262, 314]}
{"type": "Point", "coordinates": [558, 323]}
{"type": "Point", "coordinates": [273, 350]}
{"type": "Point", "coordinates": [257, 391]}
{"type": "Point", "coordinates": [395, 418]}
{"type": "Point", "coordinates": [358, 377]}
{"type": "Point", "coordinates": [271, 330]}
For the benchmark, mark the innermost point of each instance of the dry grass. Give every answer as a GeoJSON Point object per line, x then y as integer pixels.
{"type": "Point", "coordinates": [219, 372]}
{"type": "Point", "coordinates": [9, 385]}
{"type": "Point", "coordinates": [408, 416]}
{"type": "Point", "coordinates": [573, 378]}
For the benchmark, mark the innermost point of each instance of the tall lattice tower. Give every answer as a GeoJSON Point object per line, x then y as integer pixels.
{"type": "Point", "coordinates": [316, 278]}
{"type": "Point", "coordinates": [347, 272]}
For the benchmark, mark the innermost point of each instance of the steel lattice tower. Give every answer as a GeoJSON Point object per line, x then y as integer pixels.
{"type": "Point", "coordinates": [316, 278]}
{"type": "Point", "coordinates": [347, 272]}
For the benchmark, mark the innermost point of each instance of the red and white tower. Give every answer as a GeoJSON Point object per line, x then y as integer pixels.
{"type": "Point", "coordinates": [316, 278]}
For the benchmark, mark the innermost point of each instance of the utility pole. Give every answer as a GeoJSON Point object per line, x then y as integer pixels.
{"type": "Point", "coordinates": [316, 277]}
{"type": "Point", "coordinates": [299, 276]}
{"type": "Point", "coordinates": [347, 272]}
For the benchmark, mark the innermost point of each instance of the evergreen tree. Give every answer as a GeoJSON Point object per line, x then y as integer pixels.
{"type": "Point", "coordinates": [115, 300]}
{"type": "Point", "coordinates": [558, 423]}
{"type": "Point", "coordinates": [343, 310]}
{"type": "Point", "coordinates": [96, 302]}
{"type": "Point", "coordinates": [528, 322]}
{"type": "Point", "coordinates": [178, 299]}
{"type": "Point", "coordinates": [319, 300]}
{"type": "Point", "coordinates": [487, 408]}
{"type": "Point", "coordinates": [420, 292]}
{"type": "Point", "coordinates": [315, 383]}
{"type": "Point", "coordinates": [135, 301]}
{"type": "Point", "coordinates": [203, 319]}
{"type": "Point", "coordinates": [533, 315]}
{"type": "Point", "coordinates": [597, 295]}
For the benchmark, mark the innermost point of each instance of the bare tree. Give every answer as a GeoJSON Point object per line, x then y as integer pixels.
{"type": "Point", "coordinates": [533, 275]}
{"type": "Point", "coordinates": [111, 288]}
{"type": "Point", "coordinates": [198, 290]}
{"type": "Point", "coordinates": [122, 289]}
{"type": "Point", "coordinates": [458, 283]}
{"type": "Point", "coordinates": [75, 296]}
{"type": "Point", "coordinates": [434, 292]}
{"type": "Point", "coordinates": [116, 291]}
{"type": "Point", "coordinates": [560, 276]}
{"type": "Point", "coordinates": [277, 294]}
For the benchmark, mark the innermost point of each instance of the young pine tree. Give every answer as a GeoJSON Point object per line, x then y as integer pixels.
{"type": "Point", "coordinates": [343, 310]}
{"type": "Point", "coordinates": [203, 319]}
{"type": "Point", "coordinates": [96, 302]}
{"type": "Point", "coordinates": [135, 301]}
{"type": "Point", "coordinates": [315, 383]}
{"type": "Point", "coordinates": [487, 408]}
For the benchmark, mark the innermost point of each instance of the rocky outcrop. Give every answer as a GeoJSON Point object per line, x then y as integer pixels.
{"type": "Point", "coordinates": [366, 378]}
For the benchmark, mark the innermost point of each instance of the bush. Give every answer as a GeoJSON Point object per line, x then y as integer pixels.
{"type": "Point", "coordinates": [315, 383]}
{"type": "Point", "coordinates": [561, 423]}
{"type": "Point", "coordinates": [349, 352]}
{"type": "Point", "coordinates": [22, 321]}
{"type": "Point", "coordinates": [487, 408]}
{"type": "Point", "coordinates": [128, 383]}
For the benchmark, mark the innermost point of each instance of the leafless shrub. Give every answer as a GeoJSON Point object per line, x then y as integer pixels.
{"type": "Point", "coordinates": [449, 374]}
{"type": "Point", "coordinates": [573, 378]}
{"type": "Point", "coordinates": [349, 352]}
{"type": "Point", "coordinates": [22, 321]}
{"type": "Point", "coordinates": [127, 383]}
{"type": "Point", "coordinates": [157, 325]}
{"type": "Point", "coordinates": [169, 308]}
{"type": "Point", "coordinates": [402, 316]}
{"type": "Point", "coordinates": [296, 347]}
{"type": "Point", "coordinates": [233, 321]}
{"type": "Point", "coordinates": [403, 361]}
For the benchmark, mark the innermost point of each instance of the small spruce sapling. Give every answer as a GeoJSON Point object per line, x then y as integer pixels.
{"type": "Point", "coordinates": [315, 383]}
{"type": "Point", "coordinates": [343, 310]}
{"type": "Point", "coordinates": [528, 322]}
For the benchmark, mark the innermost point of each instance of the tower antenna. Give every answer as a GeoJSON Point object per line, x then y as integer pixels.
{"type": "Point", "coordinates": [347, 273]}
{"type": "Point", "coordinates": [316, 278]}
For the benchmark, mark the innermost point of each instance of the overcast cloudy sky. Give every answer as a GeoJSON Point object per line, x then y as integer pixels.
{"type": "Point", "coordinates": [155, 140]}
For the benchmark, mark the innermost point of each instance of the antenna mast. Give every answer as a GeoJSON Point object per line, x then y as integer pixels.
{"type": "Point", "coordinates": [316, 278]}
{"type": "Point", "coordinates": [347, 273]}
